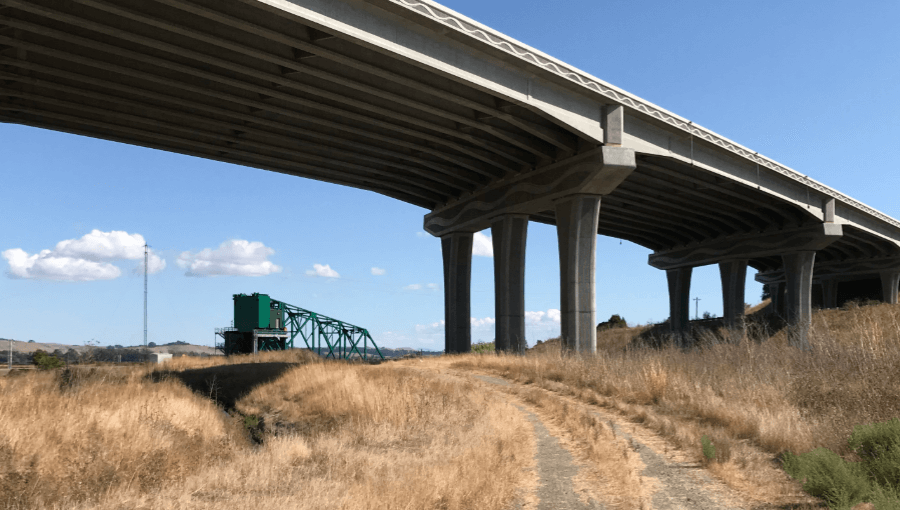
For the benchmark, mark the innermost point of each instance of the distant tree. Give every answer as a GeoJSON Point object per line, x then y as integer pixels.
{"type": "Point", "coordinates": [615, 321]}
{"type": "Point", "coordinates": [45, 361]}
{"type": "Point", "coordinates": [31, 341]}
{"type": "Point", "coordinates": [707, 315]}
{"type": "Point", "coordinates": [766, 293]}
{"type": "Point", "coordinates": [151, 344]}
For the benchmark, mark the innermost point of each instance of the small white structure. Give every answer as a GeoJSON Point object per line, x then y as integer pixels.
{"type": "Point", "coordinates": [160, 357]}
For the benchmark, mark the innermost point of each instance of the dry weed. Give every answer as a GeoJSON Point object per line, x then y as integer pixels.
{"type": "Point", "coordinates": [333, 435]}
{"type": "Point", "coordinates": [758, 392]}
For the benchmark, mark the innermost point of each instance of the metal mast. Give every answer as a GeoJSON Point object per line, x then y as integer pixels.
{"type": "Point", "coordinates": [146, 252]}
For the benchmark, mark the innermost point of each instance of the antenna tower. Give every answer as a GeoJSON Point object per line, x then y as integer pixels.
{"type": "Point", "coordinates": [146, 256]}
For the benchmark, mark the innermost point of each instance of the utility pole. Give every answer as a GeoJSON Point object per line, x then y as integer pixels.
{"type": "Point", "coordinates": [697, 308]}
{"type": "Point", "coordinates": [146, 258]}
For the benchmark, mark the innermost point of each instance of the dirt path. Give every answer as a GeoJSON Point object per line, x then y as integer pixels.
{"type": "Point", "coordinates": [556, 468]}
{"type": "Point", "coordinates": [677, 482]}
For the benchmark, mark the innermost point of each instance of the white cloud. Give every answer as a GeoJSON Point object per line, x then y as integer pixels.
{"type": "Point", "coordinates": [432, 286]}
{"type": "Point", "coordinates": [534, 317]}
{"type": "Point", "coordinates": [86, 259]}
{"type": "Point", "coordinates": [377, 271]}
{"type": "Point", "coordinates": [424, 235]}
{"type": "Point", "coordinates": [235, 257]}
{"type": "Point", "coordinates": [434, 327]}
{"type": "Point", "coordinates": [324, 271]}
{"type": "Point", "coordinates": [482, 246]}
{"type": "Point", "coordinates": [554, 315]}
{"type": "Point", "coordinates": [414, 286]}
{"type": "Point", "coordinates": [480, 323]}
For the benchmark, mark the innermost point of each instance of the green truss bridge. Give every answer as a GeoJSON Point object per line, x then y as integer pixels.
{"type": "Point", "coordinates": [265, 324]}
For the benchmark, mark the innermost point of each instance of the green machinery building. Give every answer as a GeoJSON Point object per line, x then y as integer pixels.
{"type": "Point", "coordinates": [265, 324]}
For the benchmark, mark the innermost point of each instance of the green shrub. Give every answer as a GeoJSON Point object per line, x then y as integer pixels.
{"type": "Point", "coordinates": [46, 361]}
{"type": "Point", "coordinates": [482, 347]}
{"type": "Point", "coordinates": [842, 484]}
{"type": "Point", "coordinates": [709, 449]}
{"type": "Point", "coordinates": [878, 445]}
{"type": "Point", "coordinates": [826, 475]}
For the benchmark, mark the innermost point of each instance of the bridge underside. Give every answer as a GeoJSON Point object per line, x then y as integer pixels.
{"type": "Point", "coordinates": [255, 83]}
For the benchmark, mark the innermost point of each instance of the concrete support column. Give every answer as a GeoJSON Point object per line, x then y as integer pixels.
{"type": "Point", "coordinates": [776, 290]}
{"type": "Point", "coordinates": [680, 302]}
{"type": "Point", "coordinates": [457, 253]}
{"type": "Point", "coordinates": [798, 272]}
{"type": "Point", "coordinates": [576, 228]}
{"type": "Point", "coordinates": [734, 277]}
{"type": "Point", "coordinates": [890, 284]}
{"type": "Point", "coordinates": [508, 234]}
{"type": "Point", "coordinates": [829, 293]}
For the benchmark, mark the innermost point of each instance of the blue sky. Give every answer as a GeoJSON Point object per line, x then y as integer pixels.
{"type": "Point", "coordinates": [813, 85]}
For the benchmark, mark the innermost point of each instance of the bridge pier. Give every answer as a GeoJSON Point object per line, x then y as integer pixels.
{"type": "Point", "coordinates": [577, 217]}
{"type": "Point", "coordinates": [508, 234]}
{"type": "Point", "coordinates": [829, 293]}
{"type": "Point", "coordinates": [456, 249]}
{"type": "Point", "coordinates": [572, 189]}
{"type": "Point", "coordinates": [679, 280]}
{"type": "Point", "coordinates": [734, 276]}
{"type": "Point", "coordinates": [776, 291]}
{"type": "Point", "coordinates": [890, 285]}
{"type": "Point", "coordinates": [798, 272]}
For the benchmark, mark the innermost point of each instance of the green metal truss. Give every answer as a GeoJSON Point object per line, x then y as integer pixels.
{"type": "Point", "coordinates": [341, 339]}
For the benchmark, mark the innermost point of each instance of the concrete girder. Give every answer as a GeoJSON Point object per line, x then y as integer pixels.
{"type": "Point", "coordinates": [525, 144]}
{"type": "Point", "coordinates": [468, 171]}
{"type": "Point", "coordinates": [809, 238]}
{"type": "Point", "coordinates": [595, 172]}
{"type": "Point", "coordinates": [657, 227]}
{"type": "Point", "coordinates": [839, 269]}
{"type": "Point", "coordinates": [697, 233]}
{"type": "Point", "coordinates": [576, 230]}
{"type": "Point", "coordinates": [278, 79]}
{"type": "Point", "coordinates": [508, 235]}
{"type": "Point", "coordinates": [738, 200]}
{"type": "Point", "coordinates": [723, 206]}
{"type": "Point", "coordinates": [456, 249]}
{"type": "Point", "coordinates": [302, 168]}
{"type": "Point", "coordinates": [652, 212]}
{"type": "Point", "coordinates": [499, 161]}
{"type": "Point", "coordinates": [709, 215]}
{"type": "Point", "coordinates": [418, 178]}
{"type": "Point", "coordinates": [217, 155]}
{"type": "Point", "coordinates": [652, 239]}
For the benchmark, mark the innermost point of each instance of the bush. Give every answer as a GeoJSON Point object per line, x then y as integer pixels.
{"type": "Point", "coordinates": [45, 361]}
{"type": "Point", "coordinates": [826, 475]}
{"type": "Point", "coordinates": [878, 445]}
{"type": "Point", "coordinates": [482, 347]}
{"type": "Point", "coordinates": [709, 450]}
{"type": "Point", "coordinates": [842, 484]}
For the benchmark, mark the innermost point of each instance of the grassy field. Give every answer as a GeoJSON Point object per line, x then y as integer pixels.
{"type": "Point", "coordinates": [755, 395]}
{"type": "Point", "coordinates": [302, 434]}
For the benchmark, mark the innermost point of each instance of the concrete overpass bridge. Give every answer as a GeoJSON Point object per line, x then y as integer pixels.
{"type": "Point", "coordinates": [411, 100]}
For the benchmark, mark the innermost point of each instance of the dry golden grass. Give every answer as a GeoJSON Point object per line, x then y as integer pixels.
{"type": "Point", "coordinates": [334, 435]}
{"type": "Point", "coordinates": [749, 397]}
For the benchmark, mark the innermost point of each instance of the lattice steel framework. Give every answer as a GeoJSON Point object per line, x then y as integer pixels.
{"type": "Point", "coordinates": [341, 339]}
